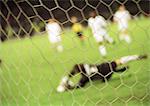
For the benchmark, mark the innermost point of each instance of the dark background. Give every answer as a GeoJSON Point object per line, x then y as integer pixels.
{"type": "Point", "coordinates": [21, 14]}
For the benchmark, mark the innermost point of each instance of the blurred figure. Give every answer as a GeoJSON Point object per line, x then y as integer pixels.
{"type": "Point", "coordinates": [122, 16]}
{"type": "Point", "coordinates": [91, 72]}
{"type": "Point", "coordinates": [98, 25]}
{"type": "Point", "coordinates": [77, 28]}
{"type": "Point", "coordinates": [54, 34]}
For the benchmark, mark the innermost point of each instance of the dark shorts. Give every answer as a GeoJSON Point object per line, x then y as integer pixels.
{"type": "Point", "coordinates": [79, 34]}
{"type": "Point", "coordinates": [107, 67]}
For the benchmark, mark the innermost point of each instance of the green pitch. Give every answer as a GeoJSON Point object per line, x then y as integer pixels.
{"type": "Point", "coordinates": [31, 70]}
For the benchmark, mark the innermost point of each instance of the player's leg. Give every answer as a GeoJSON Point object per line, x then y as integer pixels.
{"type": "Point", "coordinates": [124, 33]}
{"type": "Point", "coordinates": [100, 40]}
{"type": "Point", "coordinates": [53, 40]}
{"type": "Point", "coordinates": [127, 38]}
{"type": "Point", "coordinates": [81, 37]}
{"type": "Point", "coordinates": [59, 46]}
{"type": "Point", "coordinates": [105, 35]}
{"type": "Point", "coordinates": [108, 38]}
{"type": "Point", "coordinates": [121, 31]}
{"type": "Point", "coordinates": [82, 81]}
{"type": "Point", "coordinates": [126, 59]}
{"type": "Point", "coordinates": [102, 48]}
{"type": "Point", "coordinates": [63, 84]}
{"type": "Point", "coordinates": [66, 83]}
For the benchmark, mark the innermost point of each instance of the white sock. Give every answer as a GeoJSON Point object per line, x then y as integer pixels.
{"type": "Point", "coordinates": [102, 50]}
{"type": "Point", "coordinates": [127, 38]}
{"type": "Point", "coordinates": [126, 59]}
{"type": "Point", "coordinates": [59, 48]}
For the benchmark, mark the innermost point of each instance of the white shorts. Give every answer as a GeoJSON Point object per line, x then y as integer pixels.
{"type": "Point", "coordinates": [123, 27]}
{"type": "Point", "coordinates": [54, 39]}
{"type": "Point", "coordinates": [100, 35]}
{"type": "Point", "coordinates": [99, 38]}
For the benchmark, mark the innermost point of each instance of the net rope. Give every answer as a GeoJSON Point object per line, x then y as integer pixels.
{"type": "Point", "coordinates": [20, 20]}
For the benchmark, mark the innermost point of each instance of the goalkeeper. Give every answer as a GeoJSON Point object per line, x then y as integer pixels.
{"type": "Point", "coordinates": [91, 72]}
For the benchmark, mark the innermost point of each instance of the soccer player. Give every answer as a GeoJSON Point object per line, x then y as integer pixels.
{"type": "Point", "coordinates": [91, 72]}
{"type": "Point", "coordinates": [54, 34]}
{"type": "Point", "coordinates": [98, 25]}
{"type": "Point", "coordinates": [121, 17]}
{"type": "Point", "coordinates": [77, 28]}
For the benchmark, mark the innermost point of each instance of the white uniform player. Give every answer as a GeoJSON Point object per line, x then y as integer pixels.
{"type": "Point", "coordinates": [98, 25]}
{"type": "Point", "coordinates": [122, 16]}
{"type": "Point", "coordinates": [54, 34]}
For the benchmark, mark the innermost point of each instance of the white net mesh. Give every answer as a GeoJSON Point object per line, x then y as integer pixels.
{"type": "Point", "coordinates": [31, 70]}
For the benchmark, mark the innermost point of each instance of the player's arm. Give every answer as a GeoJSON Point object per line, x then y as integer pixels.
{"type": "Point", "coordinates": [46, 27]}
{"type": "Point", "coordinates": [59, 29]}
{"type": "Point", "coordinates": [128, 15]}
{"type": "Point", "coordinates": [104, 22]}
{"type": "Point", "coordinates": [115, 18]}
{"type": "Point", "coordinates": [89, 23]}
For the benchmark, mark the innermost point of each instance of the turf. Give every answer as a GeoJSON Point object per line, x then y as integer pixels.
{"type": "Point", "coordinates": [31, 70]}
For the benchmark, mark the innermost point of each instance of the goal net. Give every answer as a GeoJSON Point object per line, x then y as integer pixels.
{"type": "Point", "coordinates": [31, 68]}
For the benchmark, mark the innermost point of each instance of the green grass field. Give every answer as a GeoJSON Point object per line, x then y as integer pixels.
{"type": "Point", "coordinates": [31, 70]}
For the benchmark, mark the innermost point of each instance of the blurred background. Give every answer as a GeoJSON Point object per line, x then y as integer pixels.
{"type": "Point", "coordinates": [23, 18]}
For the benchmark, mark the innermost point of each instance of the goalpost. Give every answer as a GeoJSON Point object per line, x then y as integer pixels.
{"type": "Point", "coordinates": [26, 52]}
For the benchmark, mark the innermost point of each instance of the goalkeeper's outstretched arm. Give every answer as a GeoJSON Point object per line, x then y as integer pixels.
{"type": "Point", "coordinates": [127, 59]}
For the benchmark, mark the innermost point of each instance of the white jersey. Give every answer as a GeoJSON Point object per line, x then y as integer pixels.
{"type": "Point", "coordinates": [122, 18]}
{"type": "Point", "coordinates": [54, 32]}
{"type": "Point", "coordinates": [98, 26]}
